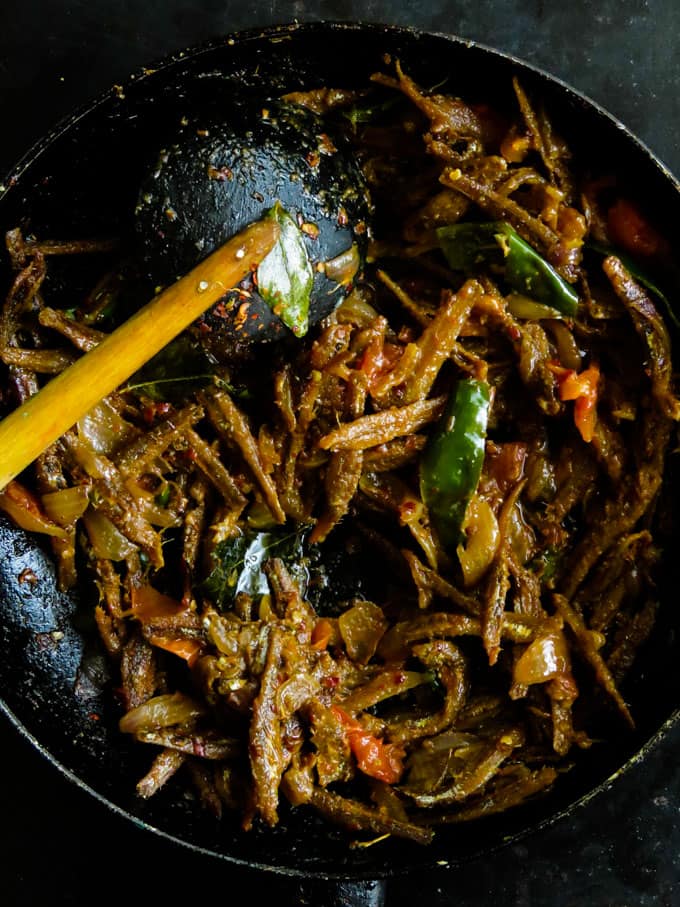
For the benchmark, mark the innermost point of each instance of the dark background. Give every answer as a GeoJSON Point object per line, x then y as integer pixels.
{"type": "Point", "coordinates": [57, 846]}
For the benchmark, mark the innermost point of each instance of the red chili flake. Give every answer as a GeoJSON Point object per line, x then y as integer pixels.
{"type": "Point", "coordinates": [330, 682]}
{"type": "Point", "coordinates": [326, 146]}
{"type": "Point", "coordinates": [93, 716]}
{"type": "Point", "coordinates": [313, 158]}
{"type": "Point", "coordinates": [28, 576]}
{"type": "Point", "coordinates": [407, 507]}
{"type": "Point", "coordinates": [221, 174]}
{"type": "Point", "coordinates": [343, 218]}
{"type": "Point", "coordinates": [241, 315]}
{"type": "Point", "coordinates": [152, 410]}
{"type": "Point", "coordinates": [310, 230]}
{"type": "Point", "coordinates": [199, 747]}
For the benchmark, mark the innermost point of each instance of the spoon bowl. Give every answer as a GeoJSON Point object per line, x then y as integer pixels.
{"type": "Point", "coordinates": [226, 167]}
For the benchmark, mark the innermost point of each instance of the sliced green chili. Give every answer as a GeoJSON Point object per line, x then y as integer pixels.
{"type": "Point", "coordinates": [452, 461]}
{"type": "Point", "coordinates": [469, 245]}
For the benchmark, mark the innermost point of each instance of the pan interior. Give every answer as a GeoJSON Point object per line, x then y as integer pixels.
{"type": "Point", "coordinates": [82, 181]}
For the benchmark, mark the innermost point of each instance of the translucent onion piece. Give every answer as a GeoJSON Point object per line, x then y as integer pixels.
{"type": "Point", "coordinates": [148, 507]}
{"type": "Point", "coordinates": [355, 309]}
{"type": "Point", "coordinates": [343, 268]}
{"type": "Point", "coordinates": [362, 627]}
{"type": "Point", "coordinates": [104, 429]}
{"type": "Point", "coordinates": [385, 685]}
{"type": "Point", "coordinates": [67, 505]}
{"type": "Point", "coordinates": [543, 659]}
{"type": "Point", "coordinates": [162, 711]}
{"type": "Point", "coordinates": [21, 506]}
{"type": "Point", "coordinates": [482, 540]}
{"type": "Point", "coordinates": [567, 348]}
{"type": "Point", "coordinates": [107, 541]}
{"type": "Point", "coordinates": [523, 307]}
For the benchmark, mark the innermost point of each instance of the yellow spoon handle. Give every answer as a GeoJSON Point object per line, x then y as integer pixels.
{"type": "Point", "coordinates": [31, 428]}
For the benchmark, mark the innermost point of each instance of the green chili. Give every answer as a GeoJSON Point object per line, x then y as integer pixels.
{"type": "Point", "coordinates": [452, 461]}
{"type": "Point", "coordinates": [469, 245]}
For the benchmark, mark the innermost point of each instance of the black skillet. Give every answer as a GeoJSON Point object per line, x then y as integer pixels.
{"type": "Point", "coordinates": [82, 180]}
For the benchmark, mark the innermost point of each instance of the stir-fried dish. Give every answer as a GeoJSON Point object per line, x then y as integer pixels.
{"type": "Point", "coordinates": [398, 575]}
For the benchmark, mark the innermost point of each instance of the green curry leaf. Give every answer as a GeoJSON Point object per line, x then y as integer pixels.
{"type": "Point", "coordinates": [285, 277]}
{"type": "Point", "coordinates": [237, 564]}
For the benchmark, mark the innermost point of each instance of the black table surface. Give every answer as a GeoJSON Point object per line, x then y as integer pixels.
{"type": "Point", "coordinates": [58, 846]}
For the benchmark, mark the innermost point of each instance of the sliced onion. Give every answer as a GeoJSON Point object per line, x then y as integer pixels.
{"type": "Point", "coordinates": [482, 540]}
{"type": "Point", "coordinates": [19, 504]}
{"type": "Point", "coordinates": [107, 542]}
{"type": "Point", "coordinates": [356, 309]}
{"type": "Point", "coordinates": [148, 508]}
{"type": "Point", "coordinates": [362, 627]}
{"type": "Point", "coordinates": [523, 307]}
{"type": "Point", "coordinates": [67, 505]}
{"type": "Point", "coordinates": [104, 428]}
{"type": "Point", "coordinates": [162, 711]}
{"type": "Point", "coordinates": [95, 465]}
{"type": "Point", "coordinates": [391, 682]}
{"type": "Point", "coordinates": [567, 349]}
{"type": "Point", "coordinates": [542, 660]}
{"type": "Point", "coordinates": [343, 268]}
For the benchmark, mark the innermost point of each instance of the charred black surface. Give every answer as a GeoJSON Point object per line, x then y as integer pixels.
{"type": "Point", "coordinates": [226, 167]}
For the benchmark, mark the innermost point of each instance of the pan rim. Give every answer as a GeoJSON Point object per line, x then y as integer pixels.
{"type": "Point", "coordinates": [281, 32]}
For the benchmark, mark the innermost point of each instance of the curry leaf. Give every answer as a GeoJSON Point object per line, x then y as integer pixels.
{"type": "Point", "coordinates": [237, 564]}
{"type": "Point", "coordinates": [359, 114]}
{"type": "Point", "coordinates": [285, 277]}
{"type": "Point", "coordinates": [179, 369]}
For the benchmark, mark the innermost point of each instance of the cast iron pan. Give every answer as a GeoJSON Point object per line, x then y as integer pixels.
{"type": "Point", "coordinates": [81, 181]}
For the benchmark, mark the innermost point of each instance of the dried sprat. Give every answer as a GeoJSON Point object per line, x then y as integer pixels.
{"type": "Point", "coordinates": [398, 571]}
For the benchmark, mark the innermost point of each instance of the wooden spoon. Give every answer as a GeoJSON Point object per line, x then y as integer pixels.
{"type": "Point", "coordinates": [42, 419]}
